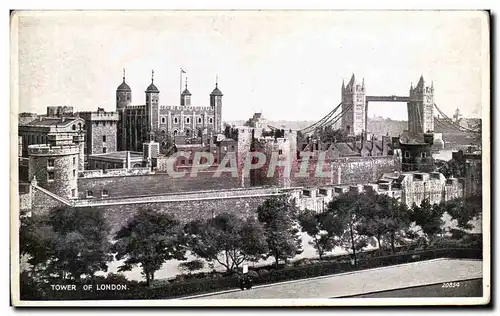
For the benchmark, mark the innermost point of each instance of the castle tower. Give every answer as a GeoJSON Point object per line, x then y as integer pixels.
{"type": "Point", "coordinates": [123, 95]}
{"type": "Point", "coordinates": [186, 96]}
{"type": "Point", "coordinates": [216, 104]}
{"type": "Point", "coordinates": [354, 107]}
{"type": "Point", "coordinates": [152, 107]}
{"type": "Point", "coordinates": [123, 99]}
{"type": "Point", "coordinates": [421, 108]}
{"type": "Point", "coordinates": [55, 165]}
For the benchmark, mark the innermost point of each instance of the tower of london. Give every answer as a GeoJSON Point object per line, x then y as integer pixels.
{"type": "Point", "coordinates": [138, 124]}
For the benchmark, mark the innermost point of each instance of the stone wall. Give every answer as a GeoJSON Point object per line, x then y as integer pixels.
{"type": "Point", "coordinates": [143, 185]}
{"type": "Point", "coordinates": [185, 207]}
{"type": "Point", "coordinates": [348, 171]}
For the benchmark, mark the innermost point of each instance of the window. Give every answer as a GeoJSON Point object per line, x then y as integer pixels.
{"type": "Point", "coordinates": [74, 161]}
{"type": "Point", "coordinates": [104, 150]}
{"type": "Point", "coordinates": [105, 193]}
{"type": "Point", "coordinates": [50, 162]}
{"type": "Point", "coordinates": [50, 175]}
{"type": "Point", "coordinates": [163, 120]}
{"type": "Point", "coordinates": [74, 173]}
{"type": "Point", "coordinates": [280, 152]}
{"type": "Point", "coordinates": [73, 192]}
{"type": "Point", "coordinates": [407, 154]}
{"type": "Point", "coordinates": [187, 120]}
{"type": "Point", "coordinates": [103, 138]}
{"type": "Point", "coordinates": [199, 120]}
{"type": "Point", "coordinates": [424, 154]}
{"type": "Point", "coordinates": [176, 120]}
{"type": "Point", "coordinates": [73, 127]}
{"type": "Point", "coordinates": [90, 194]}
{"type": "Point", "coordinates": [210, 120]}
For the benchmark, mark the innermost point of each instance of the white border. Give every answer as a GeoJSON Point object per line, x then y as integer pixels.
{"type": "Point", "coordinates": [365, 5]}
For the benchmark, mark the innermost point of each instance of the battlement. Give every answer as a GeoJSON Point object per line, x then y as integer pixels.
{"type": "Point", "coordinates": [48, 150]}
{"type": "Point", "coordinates": [189, 108]}
{"type": "Point", "coordinates": [114, 172]}
{"type": "Point", "coordinates": [99, 116]}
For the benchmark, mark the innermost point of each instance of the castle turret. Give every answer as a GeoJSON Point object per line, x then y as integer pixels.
{"type": "Point", "coordinates": [354, 107]}
{"type": "Point", "coordinates": [421, 108]}
{"type": "Point", "coordinates": [55, 165]}
{"type": "Point", "coordinates": [123, 95]}
{"type": "Point", "coordinates": [216, 104]}
{"type": "Point", "coordinates": [152, 108]}
{"type": "Point", "coordinates": [123, 99]}
{"type": "Point", "coordinates": [186, 96]}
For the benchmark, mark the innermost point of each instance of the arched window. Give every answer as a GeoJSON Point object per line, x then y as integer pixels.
{"type": "Point", "coordinates": [176, 120]}
{"type": "Point", "coordinates": [210, 120]}
{"type": "Point", "coordinates": [187, 120]}
{"type": "Point", "coordinates": [163, 120]}
{"type": "Point", "coordinates": [188, 133]}
{"type": "Point", "coordinates": [175, 132]}
{"type": "Point", "coordinates": [199, 120]}
{"type": "Point", "coordinates": [73, 127]}
{"type": "Point", "coordinates": [79, 126]}
{"type": "Point", "coordinates": [163, 132]}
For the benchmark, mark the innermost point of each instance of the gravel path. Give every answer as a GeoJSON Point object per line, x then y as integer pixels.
{"type": "Point", "coordinates": [380, 279]}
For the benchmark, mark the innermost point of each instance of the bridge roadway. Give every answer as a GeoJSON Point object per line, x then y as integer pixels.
{"type": "Point", "coordinates": [390, 98]}
{"type": "Point", "coordinates": [366, 281]}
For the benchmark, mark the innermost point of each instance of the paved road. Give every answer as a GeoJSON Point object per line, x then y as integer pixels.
{"type": "Point", "coordinates": [380, 279]}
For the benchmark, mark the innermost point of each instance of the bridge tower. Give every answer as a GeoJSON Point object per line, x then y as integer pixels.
{"type": "Point", "coordinates": [354, 107]}
{"type": "Point", "coordinates": [421, 108]}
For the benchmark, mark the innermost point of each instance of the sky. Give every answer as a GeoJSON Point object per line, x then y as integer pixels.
{"type": "Point", "coordinates": [288, 65]}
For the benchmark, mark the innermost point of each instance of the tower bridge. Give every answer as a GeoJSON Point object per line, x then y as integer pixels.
{"type": "Point", "coordinates": [354, 108]}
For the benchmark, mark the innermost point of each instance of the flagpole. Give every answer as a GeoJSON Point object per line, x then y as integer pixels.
{"type": "Point", "coordinates": [180, 84]}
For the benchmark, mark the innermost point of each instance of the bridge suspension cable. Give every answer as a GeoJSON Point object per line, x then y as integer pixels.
{"type": "Point", "coordinates": [322, 121]}
{"type": "Point", "coordinates": [455, 125]}
{"type": "Point", "coordinates": [338, 116]}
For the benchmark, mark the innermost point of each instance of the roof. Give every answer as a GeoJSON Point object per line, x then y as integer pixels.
{"type": "Point", "coordinates": [152, 88]}
{"type": "Point", "coordinates": [53, 121]}
{"type": "Point", "coordinates": [216, 91]}
{"type": "Point", "coordinates": [123, 87]}
{"type": "Point", "coordinates": [186, 92]}
{"type": "Point", "coordinates": [118, 155]}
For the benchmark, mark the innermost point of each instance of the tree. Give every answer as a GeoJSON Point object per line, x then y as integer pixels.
{"type": "Point", "coordinates": [227, 239]}
{"type": "Point", "coordinates": [312, 224]}
{"type": "Point", "coordinates": [67, 242]}
{"type": "Point", "coordinates": [343, 221]}
{"type": "Point", "coordinates": [464, 210]}
{"type": "Point", "coordinates": [428, 217]}
{"type": "Point", "coordinates": [383, 217]}
{"type": "Point", "coordinates": [149, 239]}
{"type": "Point", "coordinates": [279, 217]}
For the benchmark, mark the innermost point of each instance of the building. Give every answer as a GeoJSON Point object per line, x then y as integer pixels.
{"type": "Point", "coordinates": [101, 130]}
{"type": "Point", "coordinates": [417, 154]}
{"type": "Point", "coordinates": [116, 160]}
{"type": "Point", "coordinates": [54, 166]}
{"type": "Point", "coordinates": [42, 129]}
{"type": "Point", "coordinates": [136, 123]}
{"type": "Point", "coordinates": [421, 108]}
{"type": "Point", "coordinates": [353, 107]}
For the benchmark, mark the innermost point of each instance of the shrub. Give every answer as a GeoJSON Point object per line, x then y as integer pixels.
{"type": "Point", "coordinates": [253, 274]}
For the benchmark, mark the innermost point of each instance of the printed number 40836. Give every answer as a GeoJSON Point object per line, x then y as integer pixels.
{"type": "Point", "coordinates": [450, 284]}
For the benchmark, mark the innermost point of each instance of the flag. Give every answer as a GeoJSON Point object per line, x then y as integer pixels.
{"type": "Point", "coordinates": [182, 71]}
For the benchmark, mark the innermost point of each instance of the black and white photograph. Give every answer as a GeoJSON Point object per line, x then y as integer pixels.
{"type": "Point", "coordinates": [250, 158]}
